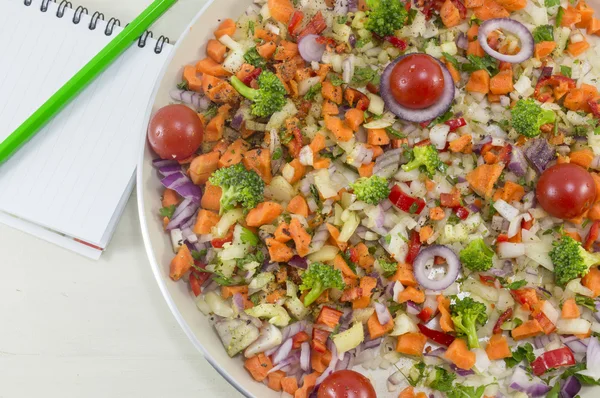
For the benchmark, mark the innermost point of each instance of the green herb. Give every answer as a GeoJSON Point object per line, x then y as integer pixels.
{"type": "Point", "coordinates": [251, 28]}
{"type": "Point", "coordinates": [559, 16]}
{"type": "Point", "coordinates": [395, 133]}
{"type": "Point", "coordinates": [342, 19]}
{"type": "Point", "coordinates": [587, 302]}
{"type": "Point", "coordinates": [551, 3]}
{"type": "Point", "coordinates": [277, 154]}
{"type": "Point", "coordinates": [394, 307]}
{"type": "Point", "coordinates": [211, 112]}
{"type": "Point", "coordinates": [474, 20]}
{"type": "Point", "coordinates": [543, 33]}
{"type": "Point", "coordinates": [257, 257]}
{"type": "Point", "coordinates": [417, 373]}
{"type": "Point", "coordinates": [441, 119]}
{"type": "Point", "coordinates": [503, 124]}
{"type": "Point", "coordinates": [412, 13]}
{"type": "Point", "coordinates": [387, 239]}
{"type": "Point", "coordinates": [554, 392]}
{"type": "Point", "coordinates": [315, 194]}
{"type": "Point", "coordinates": [585, 223]}
{"type": "Point", "coordinates": [522, 353]}
{"type": "Point", "coordinates": [443, 380]}
{"type": "Point", "coordinates": [218, 277]}
{"type": "Point", "coordinates": [413, 208]}
{"type": "Point", "coordinates": [451, 180]}
{"type": "Point", "coordinates": [389, 268]}
{"type": "Point", "coordinates": [198, 255]}
{"type": "Point", "coordinates": [183, 86]}
{"type": "Point", "coordinates": [565, 70]}
{"type": "Point", "coordinates": [451, 59]}
{"type": "Point", "coordinates": [256, 298]}
{"type": "Point", "coordinates": [335, 79]}
{"type": "Point", "coordinates": [167, 211]}
{"type": "Point", "coordinates": [462, 391]}
{"type": "Point", "coordinates": [475, 63]}
{"type": "Point", "coordinates": [253, 58]}
{"type": "Point", "coordinates": [453, 219]}
{"type": "Point", "coordinates": [247, 236]}
{"type": "Point", "coordinates": [312, 92]}
{"type": "Point", "coordinates": [516, 285]}
{"type": "Point", "coordinates": [517, 322]}
{"type": "Point", "coordinates": [363, 76]}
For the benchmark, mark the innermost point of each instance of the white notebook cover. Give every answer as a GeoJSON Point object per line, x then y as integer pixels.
{"type": "Point", "coordinates": [70, 183]}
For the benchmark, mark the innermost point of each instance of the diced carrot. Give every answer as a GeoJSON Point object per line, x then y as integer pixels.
{"type": "Point", "coordinates": [586, 13]}
{"type": "Point", "coordinates": [170, 198]}
{"type": "Point", "coordinates": [329, 109]}
{"type": "Point", "coordinates": [275, 296]}
{"type": "Point", "coordinates": [404, 274]}
{"type": "Point", "coordinates": [528, 329]}
{"type": "Point", "coordinates": [594, 212]}
{"type": "Point", "coordinates": [338, 128]}
{"type": "Point", "coordinates": [205, 220]}
{"type": "Point", "coordinates": [181, 263]}
{"type": "Point", "coordinates": [483, 178]}
{"type": "Point", "coordinates": [453, 72]}
{"type": "Point", "coordinates": [367, 284]}
{"type": "Point", "coordinates": [425, 233]}
{"type": "Point", "coordinates": [479, 82]}
{"type": "Point", "coordinates": [318, 143]}
{"type": "Point", "coordinates": [449, 14]}
{"type": "Point", "coordinates": [490, 9]}
{"type": "Point", "coordinates": [264, 213]}
{"type": "Point", "coordinates": [229, 291]}
{"type": "Point", "coordinates": [570, 310]}
{"type": "Point", "coordinates": [354, 118]}
{"type": "Point", "coordinates": [340, 263]}
{"type": "Point", "coordinates": [234, 153]}
{"type": "Point", "coordinates": [376, 329]}
{"type": "Point", "coordinates": [512, 192]}
{"type": "Point", "coordinates": [411, 294]}
{"type": "Point", "coordinates": [308, 385]}
{"type": "Point", "coordinates": [258, 366]}
{"type": "Point", "coordinates": [244, 71]}
{"type": "Point", "coordinates": [190, 76]}
{"type": "Point", "coordinates": [377, 137]}
{"type": "Point", "coordinates": [298, 206]}
{"type": "Point", "coordinates": [437, 213]}
{"type": "Point", "coordinates": [498, 348]}
{"type": "Point", "coordinates": [214, 129]}
{"type": "Point", "coordinates": [582, 157]}
{"type": "Point", "coordinates": [218, 90]}
{"type": "Point", "coordinates": [298, 168]}
{"type": "Point", "coordinates": [544, 48]}
{"type": "Point", "coordinates": [329, 316]}
{"type": "Point", "coordinates": [408, 392]}
{"type": "Point", "coordinates": [227, 27]}
{"type": "Point", "coordinates": [259, 160]}
{"type": "Point", "coordinates": [320, 360]}
{"type": "Point", "coordinates": [331, 92]}
{"type": "Point", "coordinates": [377, 150]}
{"type": "Point", "coordinates": [574, 100]}
{"type": "Point", "coordinates": [289, 385]}
{"type": "Point", "coordinates": [575, 49]}
{"type": "Point", "coordinates": [216, 51]}
{"type": "Point", "coordinates": [411, 343]}
{"type": "Point", "coordinates": [472, 32]}
{"type": "Point", "coordinates": [570, 16]}
{"type": "Point", "coordinates": [286, 51]}
{"type": "Point", "coordinates": [267, 49]}
{"type": "Point", "coordinates": [211, 199]}
{"type": "Point", "coordinates": [458, 353]}
{"type": "Point", "coordinates": [473, 3]}
{"type": "Point", "coordinates": [512, 5]}
{"type": "Point", "coordinates": [593, 26]}
{"type": "Point", "coordinates": [366, 170]}
{"type": "Point", "coordinates": [321, 163]}
{"type": "Point", "coordinates": [592, 281]}
{"type": "Point", "coordinates": [323, 71]}
{"type": "Point", "coordinates": [445, 319]}
{"type": "Point", "coordinates": [459, 144]}
{"type": "Point", "coordinates": [281, 10]}
{"type": "Point", "coordinates": [301, 237]}
{"type": "Point", "coordinates": [275, 380]}
{"type": "Point", "coordinates": [474, 48]}
{"type": "Point", "coordinates": [278, 252]}
{"type": "Point", "coordinates": [502, 83]}
{"type": "Point", "coordinates": [365, 259]}
{"type": "Point", "coordinates": [210, 67]}
{"type": "Point", "coordinates": [282, 233]}
{"type": "Point", "coordinates": [264, 34]}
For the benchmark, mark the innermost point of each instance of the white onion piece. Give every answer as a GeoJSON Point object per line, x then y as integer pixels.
{"type": "Point", "coordinates": [309, 49]}
{"type": "Point", "coordinates": [514, 27]}
{"type": "Point", "coordinates": [510, 250]}
{"type": "Point", "coordinates": [430, 253]}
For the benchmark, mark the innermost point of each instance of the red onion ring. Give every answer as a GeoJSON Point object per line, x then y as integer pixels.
{"type": "Point", "coordinates": [430, 253]}
{"type": "Point", "coordinates": [517, 28]}
{"type": "Point", "coordinates": [421, 115]}
{"type": "Point", "coordinates": [310, 50]}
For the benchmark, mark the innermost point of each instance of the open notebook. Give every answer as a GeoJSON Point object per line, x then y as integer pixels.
{"type": "Point", "coordinates": [70, 183]}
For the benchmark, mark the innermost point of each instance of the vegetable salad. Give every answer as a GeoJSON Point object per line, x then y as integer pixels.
{"type": "Point", "coordinates": [409, 189]}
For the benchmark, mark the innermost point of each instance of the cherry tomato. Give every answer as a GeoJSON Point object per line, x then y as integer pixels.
{"type": "Point", "coordinates": [346, 384]}
{"type": "Point", "coordinates": [566, 190]}
{"type": "Point", "coordinates": [175, 132]}
{"type": "Point", "coordinates": [417, 81]}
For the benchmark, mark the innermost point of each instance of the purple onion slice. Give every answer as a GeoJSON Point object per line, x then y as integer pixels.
{"type": "Point", "coordinates": [429, 254]}
{"type": "Point", "coordinates": [417, 115]}
{"type": "Point", "coordinates": [514, 27]}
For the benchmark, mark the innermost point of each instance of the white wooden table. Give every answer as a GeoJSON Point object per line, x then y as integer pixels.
{"type": "Point", "coordinates": [71, 327]}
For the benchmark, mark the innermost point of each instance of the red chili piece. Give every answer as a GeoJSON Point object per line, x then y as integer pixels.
{"type": "Point", "coordinates": [436, 336]}
{"type": "Point", "coordinates": [295, 21]}
{"type": "Point", "coordinates": [592, 235]}
{"type": "Point", "coordinates": [461, 212]}
{"type": "Point", "coordinates": [455, 124]}
{"type": "Point", "coordinates": [503, 318]}
{"type": "Point", "coordinates": [251, 76]}
{"type": "Point", "coordinates": [316, 25]}
{"type": "Point", "coordinates": [552, 360]}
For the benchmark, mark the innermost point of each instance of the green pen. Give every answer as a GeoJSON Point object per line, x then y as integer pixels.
{"type": "Point", "coordinates": [81, 79]}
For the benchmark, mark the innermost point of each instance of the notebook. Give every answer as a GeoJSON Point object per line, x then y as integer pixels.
{"type": "Point", "coordinates": [70, 183]}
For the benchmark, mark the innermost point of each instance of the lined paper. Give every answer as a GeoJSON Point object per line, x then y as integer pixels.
{"type": "Point", "coordinates": [73, 176]}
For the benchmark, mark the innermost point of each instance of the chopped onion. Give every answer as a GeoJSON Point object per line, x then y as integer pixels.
{"type": "Point", "coordinates": [529, 384]}
{"type": "Point", "coordinates": [510, 250]}
{"type": "Point", "coordinates": [305, 356]}
{"type": "Point", "coordinates": [310, 50]}
{"type": "Point", "coordinates": [383, 314]}
{"type": "Point", "coordinates": [438, 135]}
{"type": "Point", "coordinates": [505, 210]}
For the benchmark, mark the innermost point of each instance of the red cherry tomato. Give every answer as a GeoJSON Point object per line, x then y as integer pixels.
{"type": "Point", "coordinates": [566, 190]}
{"type": "Point", "coordinates": [417, 81]}
{"type": "Point", "coordinates": [175, 132]}
{"type": "Point", "coordinates": [346, 384]}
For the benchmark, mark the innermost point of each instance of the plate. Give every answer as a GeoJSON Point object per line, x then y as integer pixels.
{"type": "Point", "coordinates": [189, 49]}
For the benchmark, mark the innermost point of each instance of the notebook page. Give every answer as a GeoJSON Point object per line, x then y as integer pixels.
{"type": "Point", "coordinates": [73, 174]}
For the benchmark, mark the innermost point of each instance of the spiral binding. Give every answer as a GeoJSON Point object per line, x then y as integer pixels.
{"type": "Point", "coordinates": [96, 16]}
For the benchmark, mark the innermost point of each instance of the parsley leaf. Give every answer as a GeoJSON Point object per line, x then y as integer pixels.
{"type": "Point", "coordinates": [363, 76]}
{"type": "Point", "coordinates": [251, 28]}
{"type": "Point", "coordinates": [167, 211]}
{"type": "Point", "coordinates": [451, 59]}
{"type": "Point", "coordinates": [312, 92]}
{"type": "Point", "coordinates": [183, 86]}
{"type": "Point", "coordinates": [559, 16]}
{"type": "Point", "coordinates": [543, 33]}
{"type": "Point", "coordinates": [443, 380]}
{"type": "Point", "coordinates": [516, 285]}
{"type": "Point", "coordinates": [247, 236]}
{"type": "Point", "coordinates": [565, 70]}
{"type": "Point", "coordinates": [462, 391]}
{"type": "Point", "coordinates": [335, 79]}
{"type": "Point", "coordinates": [475, 63]}
{"type": "Point", "coordinates": [551, 3]}
{"type": "Point", "coordinates": [253, 58]}
{"type": "Point", "coordinates": [524, 352]}
{"type": "Point", "coordinates": [395, 133]}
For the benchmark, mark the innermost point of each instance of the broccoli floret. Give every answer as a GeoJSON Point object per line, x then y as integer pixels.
{"type": "Point", "coordinates": [426, 156]}
{"type": "Point", "coordinates": [268, 99]}
{"type": "Point", "coordinates": [371, 190]}
{"type": "Point", "coordinates": [240, 187]}
{"type": "Point", "coordinates": [386, 17]}
{"type": "Point", "coordinates": [571, 260]}
{"type": "Point", "coordinates": [467, 314]}
{"type": "Point", "coordinates": [318, 278]}
{"type": "Point", "coordinates": [389, 268]}
{"type": "Point", "coordinates": [528, 116]}
{"type": "Point", "coordinates": [477, 256]}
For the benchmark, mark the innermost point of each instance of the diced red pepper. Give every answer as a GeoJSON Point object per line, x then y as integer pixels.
{"type": "Point", "coordinates": [461, 212]}
{"type": "Point", "coordinates": [451, 199]}
{"type": "Point", "coordinates": [526, 296]}
{"type": "Point", "coordinates": [251, 76]}
{"type": "Point", "coordinates": [426, 314]}
{"type": "Point", "coordinates": [552, 360]}
{"type": "Point", "coordinates": [357, 99]}
{"type": "Point", "coordinates": [218, 243]}
{"type": "Point", "coordinates": [551, 81]}
{"type": "Point", "coordinates": [543, 320]}
{"type": "Point", "coordinates": [424, 142]}
{"type": "Point", "coordinates": [299, 338]}
{"type": "Point", "coordinates": [372, 88]}
{"type": "Point", "coordinates": [505, 154]}
{"type": "Point", "coordinates": [506, 315]}
{"type": "Point", "coordinates": [329, 317]}
{"type": "Point", "coordinates": [295, 145]}
{"type": "Point", "coordinates": [595, 108]}
{"type": "Point", "coordinates": [295, 22]}
{"type": "Point", "coordinates": [414, 246]}
{"type": "Point", "coordinates": [396, 42]}
{"type": "Point", "coordinates": [436, 336]}
{"type": "Point", "coordinates": [319, 339]}
{"type": "Point", "coordinates": [455, 124]}
{"type": "Point", "coordinates": [527, 224]}
{"type": "Point", "coordinates": [592, 235]}
{"type": "Point", "coordinates": [197, 278]}
{"type": "Point", "coordinates": [328, 41]}
{"type": "Point", "coordinates": [405, 202]}
{"type": "Point", "coordinates": [488, 280]}
{"type": "Point", "coordinates": [502, 238]}
{"type": "Point", "coordinates": [316, 25]}
{"type": "Point", "coordinates": [352, 254]}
